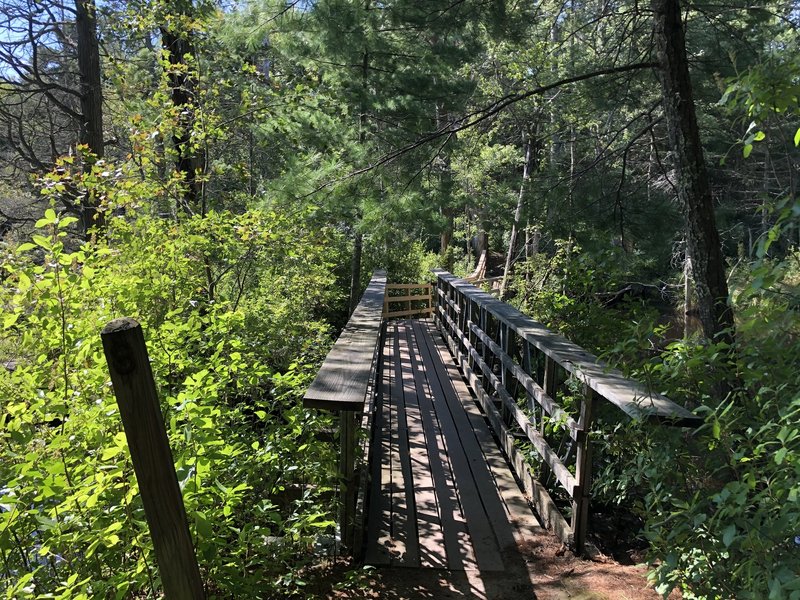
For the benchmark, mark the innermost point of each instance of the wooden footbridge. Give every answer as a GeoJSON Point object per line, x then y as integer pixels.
{"type": "Point", "coordinates": [462, 434]}
{"type": "Point", "coordinates": [461, 438]}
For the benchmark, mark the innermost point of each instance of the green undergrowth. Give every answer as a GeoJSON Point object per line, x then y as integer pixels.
{"type": "Point", "coordinates": [232, 307]}
{"type": "Point", "coordinates": [719, 503]}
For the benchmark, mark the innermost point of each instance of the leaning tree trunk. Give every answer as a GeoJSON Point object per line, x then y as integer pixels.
{"type": "Point", "coordinates": [512, 242]}
{"type": "Point", "coordinates": [91, 92]}
{"type": "Point", "coordinates": [694, 191]}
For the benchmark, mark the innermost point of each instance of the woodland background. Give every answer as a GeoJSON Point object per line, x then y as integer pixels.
{"type": "Point", "coordinates": [226, 171]}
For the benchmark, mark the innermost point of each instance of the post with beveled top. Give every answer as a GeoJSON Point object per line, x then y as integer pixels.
{"type": "Point", "coordinates": [135, 389]}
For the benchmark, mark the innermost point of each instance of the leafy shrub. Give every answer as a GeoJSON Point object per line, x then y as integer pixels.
{"type": "Point", "coordinates": [720, 503]}
{"type": "Point", "coordinates": [230, 306]}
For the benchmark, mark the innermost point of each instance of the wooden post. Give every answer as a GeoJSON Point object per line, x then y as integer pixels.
{"type": "Point", "coordinates": [135, 389]}
{"type": "Point", "coordinates": [506, 377]}
{"type": "Point", "coordinates": [549, 386]}
{"type": "Point", "coordinates": [583, 473]}
{"type": "Point", "coordinates": [347, 485]}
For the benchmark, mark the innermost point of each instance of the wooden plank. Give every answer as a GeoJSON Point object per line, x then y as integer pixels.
{"type": "Point", "coordinates": [457, 544]}
{"type": "Point", "coordinates": [379, 522]}
{"type": "Point", "coordinates": [430, 535]}
{"type": "Point", "coordinates": [479, 498]}
{"type": "Point", "coordinates": [545, 507]}
{"type": "Point", "coordinates": [407, 313]}
{"type": "Point", "coordinates": [628, 395]}
{"type": "Point", "coordinates": [420, 297]}
{"type": "Point", "coordinates": [343, 378]}
{"type": "Point", "coordinates": [405, 551]}
{"type": "Point", "coordinates": [516, 505]}
{"type": "Point", "coordinates": [408, 286]}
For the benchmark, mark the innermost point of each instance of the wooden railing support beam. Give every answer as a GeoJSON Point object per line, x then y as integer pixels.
{"type": "Point", "coordinates": [135, 389]}
{"type": "Point", "coordinates": [343, 385]}
{"type": "Point", "coordinates": [583, 472]}
{"type": "Point", "coordinates": [348, 433]}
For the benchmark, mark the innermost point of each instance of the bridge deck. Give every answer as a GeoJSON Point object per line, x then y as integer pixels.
{"type": "Point", "coordinates": [442, 495]}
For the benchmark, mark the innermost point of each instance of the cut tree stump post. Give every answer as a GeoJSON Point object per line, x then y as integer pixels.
{"type": "Point", "coordinates": [135, 389]}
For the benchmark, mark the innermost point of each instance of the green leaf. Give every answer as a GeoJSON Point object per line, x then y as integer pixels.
{"type": "Point", "coordinates": [728, 535]}
{"type": "Point", "coordinates": [748, 148]}
{"type": "Point", "coordinates": [204, 527]}
{"type": "Point", "coordinates": [23, 282]}
{"type": "Point", "coordinates": [780, 455]}
{"type": "Point", "coordinates": [760, 135]}
{"type": "Point", "coordinates": [10, 319]}
{"type": "Point", "coordinates": [25, 247]}
{"type": "Point", "coordinates": [66, 221]}
{"type": "Point", "coordinates": [41, 241]}
{"type": "Point", "coordinates": [797, 137]}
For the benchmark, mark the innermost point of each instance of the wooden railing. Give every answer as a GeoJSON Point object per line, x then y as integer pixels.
{"type": "Point", "coordinates": [408, 299]}
{"type": "Point", "coordinates": [345, 384]}
{"type": "Point", "coordinates": [520, 372]}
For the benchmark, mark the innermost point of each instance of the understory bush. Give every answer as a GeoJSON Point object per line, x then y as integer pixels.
{"type": "Point", "coordinates": [719, 502]}
{"type": "Point", "coordinates": [232, 309]}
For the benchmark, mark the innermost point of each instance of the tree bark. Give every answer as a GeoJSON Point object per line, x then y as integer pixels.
{"type": "Point", "coordinates": [694, 191]}
{"type": "Point", "coordinates": [190, 162]}
{"type": "Point", "coordinates": [512, 242]}
{"type": "Point", "coordinates": [91, 95]}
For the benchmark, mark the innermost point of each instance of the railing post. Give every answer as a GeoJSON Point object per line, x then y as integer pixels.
{"type": "Point", "coordinates": [347, 469]}
{"type": "Point", "coordinates": [135, 390]}
{"type": "Point", "coordinates": [549, 387]}
{"type": "Point", "coordinates": [507, 345]}
{"type": "Point", "coordinates": [583, 472]}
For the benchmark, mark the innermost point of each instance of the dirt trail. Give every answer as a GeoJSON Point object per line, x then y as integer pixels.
{"type": "Point", "coordinates": [546, 572]}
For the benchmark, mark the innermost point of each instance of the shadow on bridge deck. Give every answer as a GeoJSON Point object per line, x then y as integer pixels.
{"type": "Point", "coordinates": [443, 501]}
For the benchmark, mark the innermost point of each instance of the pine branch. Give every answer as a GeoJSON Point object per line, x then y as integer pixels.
{"type": "Point", "coordinates": [482, 114]}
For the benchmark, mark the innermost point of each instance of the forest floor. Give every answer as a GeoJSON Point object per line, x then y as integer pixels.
{"type": "Point", "coordinates": [550, 572]}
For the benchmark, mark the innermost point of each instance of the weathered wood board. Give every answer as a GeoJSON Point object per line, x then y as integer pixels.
{"type": "Point", "coordinates": [445, 475]}
{"type": "Point", "coordinates": [344, 377]}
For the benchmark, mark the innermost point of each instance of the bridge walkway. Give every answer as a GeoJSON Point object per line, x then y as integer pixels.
{"type": "Point", "coordinates": [442, 494]}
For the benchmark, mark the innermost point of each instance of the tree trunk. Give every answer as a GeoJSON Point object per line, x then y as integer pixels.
{"type": "Point", "coordinates": [447, 234]}
{"type": "Point", "coordinates": [355, 271]}
{"type": "Point", "coordinates": [482, 239]}
{"type": "Point", "coordinates": [91, 93]}
{"type": "Point", "coordinates": [512, 242]}
{"type": "Point", "coordinates": [694, 192]}
{"type": "Point", "coordinates": [189, 162]}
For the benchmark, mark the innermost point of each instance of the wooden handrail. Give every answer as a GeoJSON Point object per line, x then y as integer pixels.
{"type": "Point", "coordinates": [628, 395]}
{"type": "Point", "coordinates": [342, 380]}
{"type": "Point", "coordinates": [408, 296]}
{"type": "Point", "coordinates": [500, 351]}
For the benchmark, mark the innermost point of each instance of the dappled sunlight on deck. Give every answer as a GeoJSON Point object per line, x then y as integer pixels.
{"type": "Point", "coordinates": [442, 496]}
